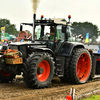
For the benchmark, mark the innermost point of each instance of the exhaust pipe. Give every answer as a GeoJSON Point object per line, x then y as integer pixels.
{"type": "Point", "coordinates": [34, 18]}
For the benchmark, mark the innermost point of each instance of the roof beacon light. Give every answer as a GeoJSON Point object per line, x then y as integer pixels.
{"type": "Point", "coordinates": [42, 16]}
{"type": "Point", "coordinates": [69, 16]}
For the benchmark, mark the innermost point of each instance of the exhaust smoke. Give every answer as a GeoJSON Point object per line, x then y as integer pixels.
{"type": "Point", "coordinates": [35, 5]}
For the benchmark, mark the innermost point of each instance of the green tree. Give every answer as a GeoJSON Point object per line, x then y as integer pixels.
{"type": "Point", "coordinates": [84, 28]}
{"type": "Point", "coordinates": [9, 28]}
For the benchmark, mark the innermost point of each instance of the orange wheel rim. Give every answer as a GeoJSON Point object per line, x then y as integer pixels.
{"type": "Point", "coordinates": [43, 71]}
{"type": "Point", "coordinates": [83, 67]}
{"type": "Point", "coordinates": [4, 73]}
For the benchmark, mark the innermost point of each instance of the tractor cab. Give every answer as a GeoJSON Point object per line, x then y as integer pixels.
{"type": "Point", "coordinates": [42, 31]}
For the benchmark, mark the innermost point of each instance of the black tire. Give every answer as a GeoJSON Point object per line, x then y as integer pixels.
{"type": "Point", "coordinates": [66, 77]}
{"type": "Point", "coordinates": [35, 70]}
{"type": "Point", "coordinates": [6, 77]}
{"type": "Point", "coordinates": [80, 66]}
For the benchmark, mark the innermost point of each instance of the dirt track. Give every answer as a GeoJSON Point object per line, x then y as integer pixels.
{"type": "Point", "coordinates": [17, 90]}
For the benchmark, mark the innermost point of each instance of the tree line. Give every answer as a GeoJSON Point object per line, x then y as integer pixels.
{"type": "Point", "coordinates": [85, 27]}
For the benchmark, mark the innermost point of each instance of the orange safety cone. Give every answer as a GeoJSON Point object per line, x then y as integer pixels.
{"type": "Point", "coordinates": [68, 97]}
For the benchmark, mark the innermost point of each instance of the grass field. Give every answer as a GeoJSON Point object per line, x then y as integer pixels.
{"type": "Point", "coordinates": [93, 97]}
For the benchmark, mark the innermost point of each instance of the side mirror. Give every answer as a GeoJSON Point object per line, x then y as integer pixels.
{"type": "Point", "coordinates": [64, 27]}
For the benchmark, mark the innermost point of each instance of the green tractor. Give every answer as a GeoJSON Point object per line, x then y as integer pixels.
{"type": "Point", "coordinates": [41, 58]}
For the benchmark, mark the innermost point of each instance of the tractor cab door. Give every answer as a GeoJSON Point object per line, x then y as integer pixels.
{"type": "Point", "coordinates": [62, 38]}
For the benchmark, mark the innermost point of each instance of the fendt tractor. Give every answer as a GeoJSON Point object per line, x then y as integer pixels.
{"type": "Point", "coordinates": [41, 58]}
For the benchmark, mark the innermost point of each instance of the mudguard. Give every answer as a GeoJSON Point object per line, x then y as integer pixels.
{"type": "Point", "coordinates": [67, 48]}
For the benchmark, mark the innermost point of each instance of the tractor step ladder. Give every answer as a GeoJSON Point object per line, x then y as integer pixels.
{"type": "Point", "coordinates": [60, 66]}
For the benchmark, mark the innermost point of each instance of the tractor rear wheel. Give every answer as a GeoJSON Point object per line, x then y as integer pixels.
{"type": "Point", "coordinates": [80, 66]}
{"type": "Point", "coordinates": [6, 77]}
{"type": "Point", "coordinates": [38, 70]}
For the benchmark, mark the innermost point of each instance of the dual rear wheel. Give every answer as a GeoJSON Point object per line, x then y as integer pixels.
{"type": "Point", "coordinates": [78, 69]}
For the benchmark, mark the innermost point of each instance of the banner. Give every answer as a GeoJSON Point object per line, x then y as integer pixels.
{"type": "Point", "coordinates": [87, 38]}
{"type": "Point", "coordinates": [2, 34]}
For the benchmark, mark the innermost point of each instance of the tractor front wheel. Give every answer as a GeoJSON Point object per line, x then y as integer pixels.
{"type": "Point", "coordinates": [38, 70]}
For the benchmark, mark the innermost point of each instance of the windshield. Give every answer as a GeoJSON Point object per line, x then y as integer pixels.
{"type": "Point", "coordinates": [40, 33]}
{"type": "Point", "coordinates": [47, 33]}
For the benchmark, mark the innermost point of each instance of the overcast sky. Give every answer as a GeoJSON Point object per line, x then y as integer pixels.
{"type": "Point", "coordinates": [19, 11]}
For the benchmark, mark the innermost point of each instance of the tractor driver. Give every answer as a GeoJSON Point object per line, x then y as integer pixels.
{"type": "Point", "coordinates": [52, 30]}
